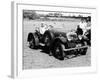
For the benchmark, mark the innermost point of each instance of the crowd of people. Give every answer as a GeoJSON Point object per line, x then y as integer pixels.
{"type": "Point", "coordinates": [43, 27]}
{"type": "Point", "coordinates": [83, 26]}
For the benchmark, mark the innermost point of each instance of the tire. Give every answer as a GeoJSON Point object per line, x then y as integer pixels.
{"type": "Point", "coordinates": [59, 51]}
{"type": "Point", "coordinates": [32, 44]}
{"type": "Point", "coordinates": [83, 51]}
{"type": "Point", "coordinates": [48, 38]}
{"type": "Point", "coordinates": [33, 40]}
{"type": "Point", "coordinates": [88, 35]}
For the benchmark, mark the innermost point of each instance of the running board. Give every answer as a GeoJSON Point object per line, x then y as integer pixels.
{"type": "Point", "coordinates": [75, 48]}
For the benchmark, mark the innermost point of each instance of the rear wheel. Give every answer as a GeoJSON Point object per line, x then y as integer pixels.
{"type": "Point", "coordinates": [48, 38]}
{"type": "Point", "coordinates": [33, 40]}
{"type": "Point", "coordinates": [32, 43]}
{"type": "Point", "coordinates": [59, 51]}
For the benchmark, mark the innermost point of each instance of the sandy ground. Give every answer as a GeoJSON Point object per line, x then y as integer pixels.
{"type": "Point", "coordinates": [33, 59]}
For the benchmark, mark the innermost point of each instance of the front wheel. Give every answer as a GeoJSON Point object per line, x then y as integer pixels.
{"type": "Point", "coordinates": [59, 51]}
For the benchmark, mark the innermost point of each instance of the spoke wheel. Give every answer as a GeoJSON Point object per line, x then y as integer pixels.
{"type": "Point", "coordinates": [59, 51]}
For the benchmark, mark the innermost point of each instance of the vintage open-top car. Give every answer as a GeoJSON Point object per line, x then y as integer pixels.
{"type": "Point", "coordinates": [59, 42]}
